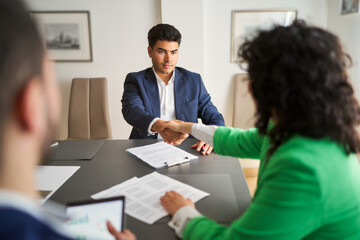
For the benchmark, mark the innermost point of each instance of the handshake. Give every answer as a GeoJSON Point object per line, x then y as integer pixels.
{"type": "Point", "coordinates": [175, 132]}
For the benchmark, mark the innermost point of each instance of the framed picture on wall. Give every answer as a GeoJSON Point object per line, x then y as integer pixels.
{"type": "Point", "coordinates": [66, 33]}
{"type": "Point", "coordinates": [349, 6]}
{"type": "Point", "coordinates": [246, 24]}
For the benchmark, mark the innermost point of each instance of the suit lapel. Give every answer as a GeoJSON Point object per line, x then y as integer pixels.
{"type": "Point", "coordinates": [179, 91]}
{"type": "Point", "coordinates": [152, 90]}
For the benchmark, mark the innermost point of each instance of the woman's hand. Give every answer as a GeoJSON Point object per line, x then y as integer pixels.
{"type": "Point", "coordinates": [179, 126]}
{"type": "Point", "coordinates": [173, 201]}
{"type": "Point", "coordinates": [203, 147]}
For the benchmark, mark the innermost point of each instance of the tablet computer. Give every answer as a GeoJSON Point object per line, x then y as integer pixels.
{"type": "Point", "coordinates": [87, 219]}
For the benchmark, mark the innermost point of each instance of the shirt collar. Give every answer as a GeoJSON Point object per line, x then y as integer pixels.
{"type": "Point", "coordinates": [158, 79]}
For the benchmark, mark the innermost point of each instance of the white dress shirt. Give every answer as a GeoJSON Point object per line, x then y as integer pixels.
{"type": "Point", "coordinates": [184, 215]}
{"type": "Point", "coordinates": [167, 101]}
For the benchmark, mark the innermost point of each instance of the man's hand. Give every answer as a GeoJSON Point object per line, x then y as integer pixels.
{"type": "Point", "coordinates": [158, 126]}
{"type": "Point", "coordinates": [126, 235]}
{"type": "Point", "coordinates": [169, 136]}
{"type": "Point", "coordinates": [173, 138]}
{"type": "Point", "coordinates": [204, 147]}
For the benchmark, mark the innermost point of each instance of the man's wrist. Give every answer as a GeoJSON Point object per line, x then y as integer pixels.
{"type": "Point", "coordinates": [156, 127]}
{"type": "Point", "coordinates": [151, 126]}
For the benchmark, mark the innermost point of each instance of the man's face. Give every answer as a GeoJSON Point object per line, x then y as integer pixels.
{"type": "Point", "coordinates": [164, 56]}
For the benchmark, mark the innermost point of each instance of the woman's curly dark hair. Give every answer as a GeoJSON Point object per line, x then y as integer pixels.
{"type": "Point", "coordinates": [299, 72]}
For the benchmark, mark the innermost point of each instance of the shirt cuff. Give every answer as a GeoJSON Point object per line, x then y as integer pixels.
{"type": "Point", "coordinates": [204, 133]}
{"type": "Point", "coordinates": [151, 125]}
{"type": "Point", "coordinates": [181, 218]}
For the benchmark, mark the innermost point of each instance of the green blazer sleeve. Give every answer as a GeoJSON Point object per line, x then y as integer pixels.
{"type": "Point", "coordinates": [238, 142]}
{"type": "Point", "coordinates": [307, 189]}
{"type": "Point", "coordinates": [288, 207]}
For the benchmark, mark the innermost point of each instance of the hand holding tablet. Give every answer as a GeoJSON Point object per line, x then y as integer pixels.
{"type": "Point", "coordinates": [89, 219]}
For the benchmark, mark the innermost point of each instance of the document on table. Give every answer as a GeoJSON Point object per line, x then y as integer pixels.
{"type": "Point", "coordinates": [75, 149]}
{"type": "Point", "coordinates": [143, 195]}
{"type": "Point", "coordinates": [159, 155]}
{"type": "Point", "coordinates": [50, 178]}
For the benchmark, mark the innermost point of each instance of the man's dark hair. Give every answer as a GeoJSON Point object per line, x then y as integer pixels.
{"type": "Point", "coordinates": [163, 32]}
{"type": "Point", "coordinates": [300, 73]}
{"type": "Point", "coordinates": [21, 55]}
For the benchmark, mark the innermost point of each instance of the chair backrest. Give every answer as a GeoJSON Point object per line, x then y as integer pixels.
{"type": "Point", "coordinates": [88, 109]}
{"type": "Point", "coordinates": [244, 107]}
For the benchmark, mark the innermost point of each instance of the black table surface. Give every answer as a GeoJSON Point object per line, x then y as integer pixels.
{"type": "Point", "coordinates": [75, 149]}
{"type": "Point", "coordinates": [220, 176]}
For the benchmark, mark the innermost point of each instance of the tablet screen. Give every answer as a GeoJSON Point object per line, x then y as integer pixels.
{"type": "Point", "coordinates": [87, 220]}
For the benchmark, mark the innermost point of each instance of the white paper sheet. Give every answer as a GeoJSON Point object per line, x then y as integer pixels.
{"type": "Point", "coordinates": [143, 195]}
{"type": "Point", "coordinates": [113, 191]}
{"type": "Point", "coordinates": [50, 178]}
{"type": "Point", "coordinates": [158, 154]}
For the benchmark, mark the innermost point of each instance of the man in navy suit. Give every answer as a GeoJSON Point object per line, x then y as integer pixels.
{"type": "Point", "coordinates": [29, 109]}
{"type": "Point", "coordinates": [165, 92]}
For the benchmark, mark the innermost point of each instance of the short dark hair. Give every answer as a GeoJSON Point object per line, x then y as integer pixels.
{"type": "Point", "coordinates": [300, 72]}
{"type": "Point", "coordinates": [21, 55]}
{"type": "Point", "coordinates": [163, 32]}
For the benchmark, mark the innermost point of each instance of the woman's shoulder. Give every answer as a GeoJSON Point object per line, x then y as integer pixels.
{"type": "Point", "coordinates": [310, 152]}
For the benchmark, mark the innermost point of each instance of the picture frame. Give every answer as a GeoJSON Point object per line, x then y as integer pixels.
{"type": "Point", "coordinates": [67, 34]}
{"type": "Point", "coordinates": [349, 6]}
{"type": "Point", "coordinates": [246, 23]}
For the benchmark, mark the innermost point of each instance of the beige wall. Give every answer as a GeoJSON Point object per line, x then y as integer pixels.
{"type": "Point", "coordinates": [187, 16]}
{"type": "Point", "coordinates": [219, 72]}
{"type": "Point", "coordinates": [119, 29]}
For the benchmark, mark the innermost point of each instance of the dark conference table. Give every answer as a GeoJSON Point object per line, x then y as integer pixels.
{"type": "Point", "coordinates": [220, 176]}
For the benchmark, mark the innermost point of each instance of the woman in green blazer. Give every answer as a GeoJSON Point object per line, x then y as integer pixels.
{"type": "Point", "coordinates": [305, 137]}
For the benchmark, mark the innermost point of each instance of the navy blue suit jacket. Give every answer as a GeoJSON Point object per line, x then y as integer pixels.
{"type": "Point", "coordinates": [141, 101]}
{"type": "Point", "coordinates": [18, 225]}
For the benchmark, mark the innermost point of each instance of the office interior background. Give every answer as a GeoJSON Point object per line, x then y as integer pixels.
{"type": "Point", "coordinates": [119, 43]}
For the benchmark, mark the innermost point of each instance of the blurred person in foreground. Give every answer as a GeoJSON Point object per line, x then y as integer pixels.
{"type": "Point", "coordinates": [305, 137]}
{"type": "Point", "coordinates": [29, 109]}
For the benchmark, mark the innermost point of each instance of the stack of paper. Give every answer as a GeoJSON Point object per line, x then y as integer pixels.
{"type": "Point", "coordinates": [159, 155]}
{"type": "Point", "coordinates": [50, 178]}
{"type": "Point", "coordinates": [143, 195]}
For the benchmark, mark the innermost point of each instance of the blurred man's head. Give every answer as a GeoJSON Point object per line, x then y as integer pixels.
{"type": "Point", "coordinates": [29, 98]}
{"type": "Point", "coordinates": [164, 41]}
{"type": "Point", "coordinates": [298, 77]}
